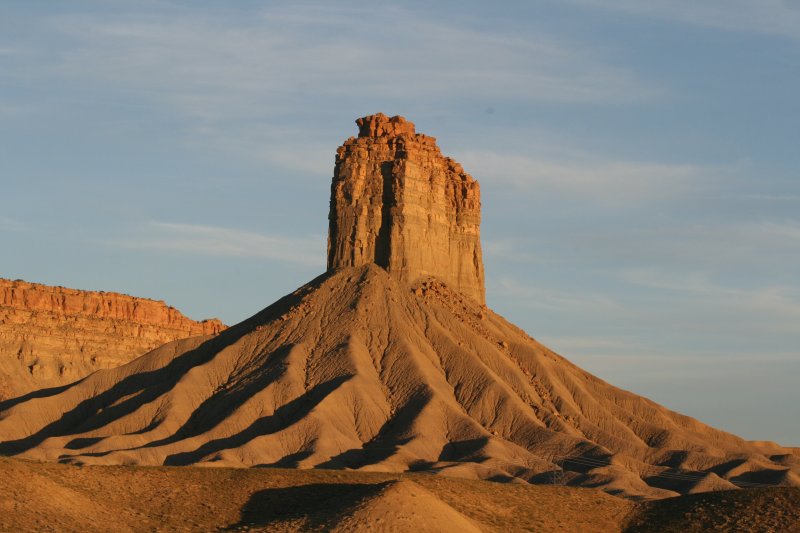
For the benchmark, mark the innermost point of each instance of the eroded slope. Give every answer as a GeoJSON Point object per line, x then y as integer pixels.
{"type": "Point", "coordinates": [356, 370]}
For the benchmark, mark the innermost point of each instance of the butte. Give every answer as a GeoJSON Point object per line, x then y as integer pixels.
{"type": "Point", "coordinates": [388, 361]}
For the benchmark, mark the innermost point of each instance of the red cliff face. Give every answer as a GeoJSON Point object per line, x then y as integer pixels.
{"type": "Point", "coordinates": [398, 202]}
{"type": "Point", "coordinates": [54, 335]}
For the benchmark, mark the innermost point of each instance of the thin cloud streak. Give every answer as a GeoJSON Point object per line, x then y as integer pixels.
{"type": "Point", "coordinates": [242, 84]}
{"type": "Point", "coordinates": [773, 17]}
{"type": "Point", "coordinates": [596, 345]}
{"type": "Point", "coordinates": [216, 68]}
{"type": "Point", "coordinates": [12, 225]}
{"type": "Point", "coordinates": [533, 297]}
{"type": "Point", "coordinates": [623, 351]}
{"type": "Point", "coordinates": [757, 246]}
{"type": "Point", "coordinates": [9, 51]}
{"type": "Point", "coordinates": [766, 246]}
{"type": "Point", "coordinates": [606, 181]}
{"type": "Point", "coordinates": [226, 242]}
{"type": "Point", "coordinates": [282, 148]}
{"type": "Point", "coordinates": [761, 310]}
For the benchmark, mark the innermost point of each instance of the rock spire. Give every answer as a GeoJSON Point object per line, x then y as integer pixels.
{"type": "Point", "coordinates": [398, 202]}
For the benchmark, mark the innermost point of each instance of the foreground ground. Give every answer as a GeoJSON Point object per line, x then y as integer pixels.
{"type": "Point", "coordinates": [54, 497]}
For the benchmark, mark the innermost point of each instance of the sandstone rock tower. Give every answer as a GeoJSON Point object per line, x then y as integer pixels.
{"type": "Point", "coordinates": [398, 202]}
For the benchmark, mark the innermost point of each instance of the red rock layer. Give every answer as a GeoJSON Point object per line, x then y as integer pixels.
{"type": "Point", "coordinates": [54, 335]}
{"type": "Point", "coordinates": [396, 201]}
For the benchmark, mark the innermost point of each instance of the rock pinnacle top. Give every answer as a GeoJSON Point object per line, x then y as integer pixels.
{"type": "Point", "coordinates": [396, 201]}
{"type": "Point", "coordinates": [379, 125]}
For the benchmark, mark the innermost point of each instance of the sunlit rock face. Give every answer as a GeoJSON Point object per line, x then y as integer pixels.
{"type": "Point", "coordinates": [50, 336]}
{"type": "Point", "coordinates": [396, 201]}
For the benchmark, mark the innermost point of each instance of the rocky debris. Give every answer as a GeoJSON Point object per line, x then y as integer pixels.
{"type": "Point", "coordinates": [396, 201]}
{"type": "Point", "coordinates": [379, 125]}
{"type": "Point", "coordinates": [54, 335]}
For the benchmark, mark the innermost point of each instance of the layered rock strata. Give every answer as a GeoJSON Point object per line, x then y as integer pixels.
{"type": "Point", "coordinates": [54, 335]}
{"type": "Point", "coordinates": [396, 201]}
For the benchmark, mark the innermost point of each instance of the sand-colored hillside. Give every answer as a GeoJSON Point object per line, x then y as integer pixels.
{"type": "Point", "coordinates": [43, 496]}
{"type": "Point", "coordinates": [65, 498]}
{"type": "Point", "coordinates": [401, 506]}
{"type": "Point", "coordinates": [773, 510]}
{"type": "Point", "coordinates": [358, 371]}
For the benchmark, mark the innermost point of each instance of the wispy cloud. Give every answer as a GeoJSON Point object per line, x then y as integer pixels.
{"type": "Point", "coordinates": [652, 367]}
{"type": "Point", "coordinates": [511, 250]}
{"type": "Point", "coordinates": [787, 231]}
{"type": "Point", "coordinates": [601, 179]}
{"type": "Point", "coordinates": [6, 51]}
{"type": "Point", "coordinates": [250, 82]}
{"type": "Point", "coordinates": [617, 351]}
{"type": "Point", "coordinates": [767, 246]}
{"type": "Point", "coordinates": [532, 296]}
{"type": "Point", "coordinates": [281, 147]}
{"type": "Point", "coordinates": [227, 242]}
{"type": "Point", "coordinates": [597, 345]}
{"type": "Point", "coordinates": [13, 110]}
{"type": "Point", "coordinates": [221, 66]}
{"type": "Point", "coordinates": [765, 308]}
{"type": "Point", "coordinates": [768, 249]}
{"type": "Point", "coordinates": [764, 197]}
{"type": "Point", "coordinates": [12, 225]}
{"type": "Point", "coordinates": [777, 17]}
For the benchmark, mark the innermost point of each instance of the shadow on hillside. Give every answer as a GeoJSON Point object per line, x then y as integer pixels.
{"type": "Point", "coordinates": [40, 393]}
{"type": "Point", "coordinates": [314, 506]}
{"type": "Point", "coordinates": [284, 416]}
{"type": "Point", "coordinates": [388, 441]}
{"type": "Point", "coordinates": [139, 389]}
{"type": "Point", "coordinates": [758, 509]}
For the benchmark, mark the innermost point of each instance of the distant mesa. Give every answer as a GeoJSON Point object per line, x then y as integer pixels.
{"type": "Point", "coordinates": [389, 361]}
{"type": "Point", "coordinates": [397, 202]}
{"type": "Point", "coordinates": [54, 335]}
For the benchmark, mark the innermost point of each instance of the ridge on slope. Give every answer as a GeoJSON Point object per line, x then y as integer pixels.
{"type": "Point", "coordinates": [358, 370]}
{"type": "Point", "coordinates": [402, 506]}
{"type": "Point", "coordinates": [760, 510]}
{"type": "Point", "coordinates": [55, 497]}
{"type": "Point", "coordinates": [51, 336]}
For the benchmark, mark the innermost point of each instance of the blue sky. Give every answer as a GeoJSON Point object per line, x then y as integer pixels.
{"type": "Point", "coordinates": [638, 163]}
